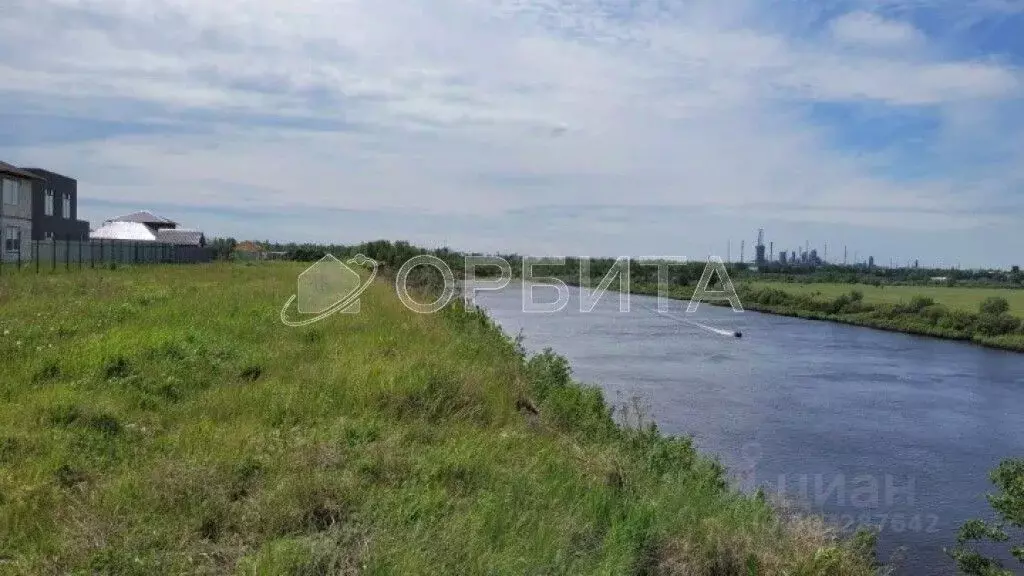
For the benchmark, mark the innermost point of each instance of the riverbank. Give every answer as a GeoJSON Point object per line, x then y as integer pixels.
{"type": "Point", "coordinates": [919, 315]}
{"type": "Point", "coordinates": [163, 420]}
{"type": "Point", "coordinates": [964, 298]}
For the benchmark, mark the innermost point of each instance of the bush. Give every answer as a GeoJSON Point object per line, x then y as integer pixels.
{"type": "Point", "coordinates": [934, 313]}
{"type": "Point", "coordinates": [770, 297]}
{"type": "Point", "coordinates": [996, 325]}
{"type": "Point", "coordinates": [1008, 477]}
{"type": "Point", "coordinates": [958, 320]}
{"type": "Point", "coordinates": [548, 371]}
{"type": "Point", "coordinates": [994, 305]}
{"type": "Point", "coordinates": [840, 303]}
{"type": "Point", "coordinates": [919, 303]}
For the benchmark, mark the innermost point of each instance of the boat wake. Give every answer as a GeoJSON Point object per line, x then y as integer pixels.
{"type": "Point", "coordinates": [712, 329]}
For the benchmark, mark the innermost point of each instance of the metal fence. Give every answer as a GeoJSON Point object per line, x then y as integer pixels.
{"type": "Point", "coordinates": [251, 255]}
{"type": "Point", "coordinates": [48, 255]}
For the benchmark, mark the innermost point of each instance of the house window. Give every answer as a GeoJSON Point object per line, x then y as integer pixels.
{"type": "Point", "coordinates": [11, 190]}
{"type": "Point", "coordinates": [66, 210]}
{"type": "Point", "coordinates": [12, 239]}
{"type": "Point", "coordinates": [49, 236]}
{"type": "Point", "coordinates": [49, 202]}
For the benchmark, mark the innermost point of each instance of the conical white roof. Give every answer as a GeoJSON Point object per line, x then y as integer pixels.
{"type": "Point", "coordinates": [123, 231]}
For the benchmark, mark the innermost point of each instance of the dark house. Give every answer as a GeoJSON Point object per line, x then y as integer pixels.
{"type": "Point", "coordinates": [15, 212]}
{"type": "Point", "coordinates": [181, 237]}
{"type": "Point", "coordinates": [55, 207]}
{"type": "Point", "coordinates": [154, 222]}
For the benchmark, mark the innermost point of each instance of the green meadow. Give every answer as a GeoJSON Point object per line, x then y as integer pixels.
{"type": "Point", "coordinates": [953, 297]}
{"type": "Point", "coordinates": [985, 316]}
{"type": "Point", "coordinates": [162, 420]}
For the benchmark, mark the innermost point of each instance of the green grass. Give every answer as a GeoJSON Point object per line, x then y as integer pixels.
{"type": "Point", "coordinates": [953, 313]}
{"type": "Point", "coordinates": [953, 297]}
{"type": "Point", "coordinates": [162, 420]}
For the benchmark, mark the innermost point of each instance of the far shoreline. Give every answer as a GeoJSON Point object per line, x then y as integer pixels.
{"type": "Point", "coordinates": [863, 321]}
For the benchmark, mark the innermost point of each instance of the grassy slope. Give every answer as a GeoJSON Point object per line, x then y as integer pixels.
{"type": "Point", "coordinates": [162, 420]}
{"type": "Point", "coordinates": [954, 297]}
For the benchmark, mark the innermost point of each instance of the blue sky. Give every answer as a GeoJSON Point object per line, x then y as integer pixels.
{"type": "Point", "coordinates": [592, 127]}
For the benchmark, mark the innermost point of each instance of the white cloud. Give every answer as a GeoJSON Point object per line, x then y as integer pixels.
{"type": "Point", "coordinates": [873, 30]}
{"type": "Point", "coordinates": [692, 105]}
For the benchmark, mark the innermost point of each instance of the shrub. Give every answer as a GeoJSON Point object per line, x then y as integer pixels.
{"type": "Point", "coordinates": [548, 371]}
{"type": "Point", "coordinates": [958, 320]}
{"type": "Point", "coordinates": [580, 410]}
{"type": "Point", "coordinates": [840, 303]}
{"type": "Point", "coordinates": [996, 325]}
{"type": "Point", "coordinates": [934, 313]}
{"type": "Point", "coordinates": [1008, 477]}
{"type": "Point", "coordinates": [768, 296]}
{"type": "Point", "coordinates": [919, 303]}
{"type": "Point", "coordinates": [994, 305]}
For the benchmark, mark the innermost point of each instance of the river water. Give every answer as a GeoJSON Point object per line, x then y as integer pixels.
{"type": "Point", "coordinates": [861, 425]}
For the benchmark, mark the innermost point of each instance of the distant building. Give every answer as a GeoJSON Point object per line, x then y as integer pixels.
{"type": "Point", "coordinates": [251, 250]}
{"type": "Point", "coordinates": [181, 237]}
{"type": "Point", "coordinates": [871, 261]}
{"type": "Point", "coordinates": [148, 227]}
{"type": "Point", "coordinates": [55, 207]}
{"type": "Point", "coordinates": [248, 247]}
{"type": "Point", "coordinates": [133, 231]}
{"type": "Point", "coordinates": [146, 217]}
{"type": "Point", "coordinates": [16, 212]}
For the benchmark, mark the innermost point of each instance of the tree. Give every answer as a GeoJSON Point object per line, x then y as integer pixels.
{"type": "Point", "coordinates": [223, 247]}
{"type": "Point", "coordinates": [1008, 503]}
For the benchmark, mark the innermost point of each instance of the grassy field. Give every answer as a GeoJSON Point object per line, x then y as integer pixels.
{"type": "Point", "coordinates": [946, 312]}
{"type": "Point", "coordinates": [957, 298]}
{"type": "Point", "coordinates": [164, 421]}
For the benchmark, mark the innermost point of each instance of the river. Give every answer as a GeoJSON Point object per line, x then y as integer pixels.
{"type": "Point", "coordinates": [861, 425]}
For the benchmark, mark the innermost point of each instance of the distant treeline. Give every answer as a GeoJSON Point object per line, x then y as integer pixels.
{"type": "Point", "coordinates": [893, 276]}
{"type": "Point", "coordinates": [392, 254]}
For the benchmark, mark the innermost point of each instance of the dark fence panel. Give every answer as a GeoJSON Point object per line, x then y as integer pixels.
{"type": "Point", "coordinates": [48, 255]}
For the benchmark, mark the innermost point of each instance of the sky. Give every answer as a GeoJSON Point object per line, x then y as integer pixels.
{"type": "Point", "coordinates": [892, 128]}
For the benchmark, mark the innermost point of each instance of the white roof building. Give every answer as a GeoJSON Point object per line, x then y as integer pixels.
{"type": "Point", "coordinates": [144, 226]}
{"type": "Point", "coordinates": [124, 231]}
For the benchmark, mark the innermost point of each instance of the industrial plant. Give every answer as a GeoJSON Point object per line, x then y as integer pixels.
{"type": "Point", "coordinates": [803, 257]}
